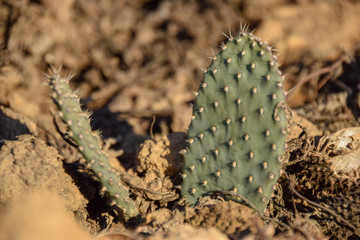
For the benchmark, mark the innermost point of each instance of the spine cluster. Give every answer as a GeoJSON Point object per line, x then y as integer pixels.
{"type": "Point", "coordinates": [88, 143]}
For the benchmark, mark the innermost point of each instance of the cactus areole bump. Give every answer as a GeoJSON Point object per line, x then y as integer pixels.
{"type": "Point", "coordinates": [237, 135]}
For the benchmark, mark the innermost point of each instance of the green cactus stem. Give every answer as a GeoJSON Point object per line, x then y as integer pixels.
{"type": "Point", "coordinates": [238, 130]}
{"type": "Point", "coordinates": [88, 143]}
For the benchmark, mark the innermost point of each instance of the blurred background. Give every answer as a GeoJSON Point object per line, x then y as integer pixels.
{"type": "Point", "coordinates": [139, 59]}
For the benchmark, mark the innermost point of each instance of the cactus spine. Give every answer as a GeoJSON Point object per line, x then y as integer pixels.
{"type": "Point", "coordinates": [89, 143]}
{"type": "Point", "coordinates": [238, 130]}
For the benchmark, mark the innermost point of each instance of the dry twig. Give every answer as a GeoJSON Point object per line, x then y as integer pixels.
{"type": "Point", "coordinates": [329, 71]}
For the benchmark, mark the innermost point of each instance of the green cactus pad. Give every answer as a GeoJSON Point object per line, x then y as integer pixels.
{"type": "Point", "coordinates": [238, 130]}
{"type": "Point", "coordinates": [88, 143]}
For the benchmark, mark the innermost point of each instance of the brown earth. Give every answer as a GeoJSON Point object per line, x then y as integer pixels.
{"type": "Point", "coordinates": [137, 64]}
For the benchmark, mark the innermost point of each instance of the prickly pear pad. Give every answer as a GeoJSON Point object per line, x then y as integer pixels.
{"type": "Point", "coordinates": [238, 130]}
{"type": "Point", "coordinates": [88, 143]}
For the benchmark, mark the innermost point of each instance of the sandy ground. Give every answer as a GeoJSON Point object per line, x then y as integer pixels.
{"type": "Point", "coordinates": [136, 64]}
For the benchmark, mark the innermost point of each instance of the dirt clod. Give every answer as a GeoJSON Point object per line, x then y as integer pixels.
{"type": "Point", "coordinates": [161, 158]}
{"type": "Point", "coordinates": [229, 217]}
{"type": "Point", "coordinates": [29, 165]}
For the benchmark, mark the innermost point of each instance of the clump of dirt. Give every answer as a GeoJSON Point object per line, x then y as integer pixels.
{"type": "Point", "coordinates": [158, 163]}
{"type": "Point", "coordinates": [229, 217]}
{"type": "Point", "coordinates": [150, 195]}
{"type": "Point", "coordinates": [161, 158]}
{"type": "Point", "coordinates": [11, 126]}
{"type": "Point", "coordinates": [298, 124]}
{"type": "Point", "coordinates": [30, 165]}
{"type": "Point", "coordinates": [161, 221]}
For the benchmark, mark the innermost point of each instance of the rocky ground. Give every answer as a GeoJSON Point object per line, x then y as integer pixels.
{"type": "Point", "coordinates": [136, 64]}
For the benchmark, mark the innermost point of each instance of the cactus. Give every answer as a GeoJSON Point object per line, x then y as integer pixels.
{"type": "Point", "coordinates": [238, 130]}
{"type": "Point", "coordinates": [88, 143]}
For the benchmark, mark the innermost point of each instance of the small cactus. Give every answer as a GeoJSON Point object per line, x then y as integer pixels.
{"type": "Point", "coordinates": [238, 130]}
{"type": "Point", "coordinates": [88, 143]}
